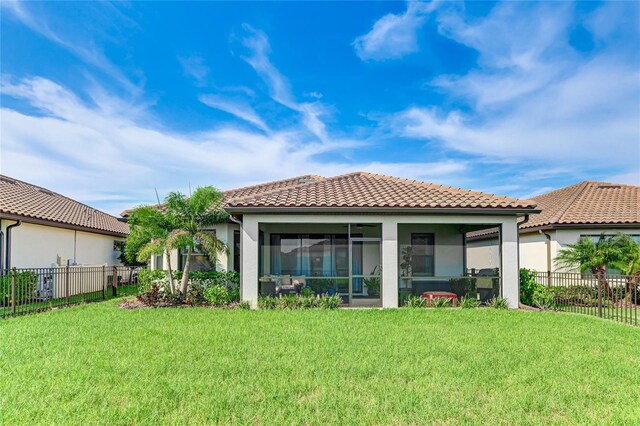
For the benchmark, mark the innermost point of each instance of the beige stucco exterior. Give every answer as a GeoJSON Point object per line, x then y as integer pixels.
{"type": "Point", "coordinates": [533, 246]}
{"type": "Point", "coordinates": [41, 246]}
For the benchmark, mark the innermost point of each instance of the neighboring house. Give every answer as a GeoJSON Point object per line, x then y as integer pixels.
{"type": "Point", "coordinates": [586, 209]}
{"type": "Point", "coordinates": [373, 239]}
{"type": "Point", "coordinates": [40, 229]}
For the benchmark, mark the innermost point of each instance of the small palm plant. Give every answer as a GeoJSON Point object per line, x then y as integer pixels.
{"type": "Point", "coordinates": [591, 256]}
{"type": "Point", "coordinates": [190, 217]}
{"type": "Point", "coordinates": [629, 262]}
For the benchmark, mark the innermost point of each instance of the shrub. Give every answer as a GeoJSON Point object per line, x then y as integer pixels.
{"type": "Point", "coordinates": [26, 286]}
{"type": "Point", "coordinates": [307, 292]}
{"type": "Point", "coordinates": [440, 302]}
{"type": "Point", "coordinates": [291, 302]}
{"type": "Point", "coordinates": [330, 302]}
{"type": "Point", "coordinates": [468, 303]}
{"type": "Point", "coordinates": [216, 295]}
{"type": "Point", "coordinates": [543, 297]}
{"type": "Point", "coordinates": [243, 305]}
{"type": "Point", "coordinates": [498, 303]}
{"type": "Point", "coordinates": [415, 302]}
{"type": "Point", "coordinates": [527, 285]}
{"type": "Point", "coordinates": [267, 302]}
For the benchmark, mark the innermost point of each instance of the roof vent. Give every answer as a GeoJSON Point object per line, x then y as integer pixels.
{"type": "Point", "coordinates": [44, 191]}
{"type": "Point", "coordinates": [609, 187]}
{"type": "Point", "coordinates": [306, 180]}
{"type": "Point", "coordinates": [6, 179]}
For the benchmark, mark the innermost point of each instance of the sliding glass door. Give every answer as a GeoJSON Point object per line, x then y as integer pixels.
{"type": "Point", "coordinates": [365, 272]}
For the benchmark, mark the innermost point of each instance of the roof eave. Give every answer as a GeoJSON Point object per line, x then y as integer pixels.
{"type": "Point", "coordinates": [384, 210]}
{"type": "Point", "coordinates": [55, 224]}
{"type": "Point", "coordinates": [578, 225]}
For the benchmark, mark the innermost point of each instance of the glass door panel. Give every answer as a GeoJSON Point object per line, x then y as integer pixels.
{"type": "Point", "coordinates": [365, 274]}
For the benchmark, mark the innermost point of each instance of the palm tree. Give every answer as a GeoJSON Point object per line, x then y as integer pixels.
{"type": "Point", "coordinates": [590, 256]}
{"type": "Point", "coordinates": [190, 217]}
{"type": "Point", "coordinates": [629, 262]}
{"type": "Point", "coordinates": [149, 231]}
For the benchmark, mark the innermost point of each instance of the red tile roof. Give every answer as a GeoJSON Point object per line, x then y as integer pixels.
{"type": "Point", "coordinates": [367, 190]}
{"type": "Point", "coordinates": [588, 202]}
{"type": "Point", "coordinates": [24, 200]}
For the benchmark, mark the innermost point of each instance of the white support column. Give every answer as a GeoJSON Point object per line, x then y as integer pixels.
{"type": "Point", "coordinates": [389, 263]}
{"type": "Point", "coordinates": [249, 260]}
{"type": "Point", "coordinates": [509, 268]}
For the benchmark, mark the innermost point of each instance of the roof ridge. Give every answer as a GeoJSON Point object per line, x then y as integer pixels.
{"type": "Point", "coordinates": [579, 190]}
{"type": "Point", "coordinates": [431, 184]}
{"type": "Point", "coordinates": [276, 190]}
{"type": "Point", "coordinates": [273, 181]}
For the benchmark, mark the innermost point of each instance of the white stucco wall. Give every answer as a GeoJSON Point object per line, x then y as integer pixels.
{"type": "Point", "coordinates": [483, 254]}
{"type": "Point", "coordinates": [224, 261]}
{"type": "Point", "coordinates": [533, 247]}
{"type": "Point", "coordinates": [39, 246]}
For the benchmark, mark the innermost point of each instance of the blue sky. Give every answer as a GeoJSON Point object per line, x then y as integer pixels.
{"type": "Point", "coordinates": [107, 102]}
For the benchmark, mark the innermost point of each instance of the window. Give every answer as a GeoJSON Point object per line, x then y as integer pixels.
{"type": "Point", "coordinates": [314, 255]}
{"type": "Point", "coordinates": [236, 251]}
{"type": "Point", "coordinates": [199, 261]}
{"type": "Point", "coordinates": [159, 261]}
{"type": "Point", "coordinates": [422, 263]}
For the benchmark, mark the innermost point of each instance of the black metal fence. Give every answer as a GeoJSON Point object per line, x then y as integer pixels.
{"type": "Point", "coordinates": [614, 297]}
{"type": "Point", "coordinates": [24, 291]}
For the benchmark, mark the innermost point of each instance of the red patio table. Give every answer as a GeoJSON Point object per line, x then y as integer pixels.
{"type": "Point", "coordinates": [430, 295]}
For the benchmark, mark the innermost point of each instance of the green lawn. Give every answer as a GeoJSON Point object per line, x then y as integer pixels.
{"type": "Point", "coordinates": [98, 364]}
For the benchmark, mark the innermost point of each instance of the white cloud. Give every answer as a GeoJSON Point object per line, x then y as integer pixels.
{"type": "Point", "coordinates": [103, 156]}
{"type": "Point", "coordinates": [534, 98]}
{"type": "Point", "coordinates": [237, 108]}
{"type": "Point", "coordinates": [196, 68]}
{"type": "Point", "coordinates": [86, 50]}
{"type": "Point", "coordinates": [394, 36]}
{"type": "Point", "coordinates": [257, 44]}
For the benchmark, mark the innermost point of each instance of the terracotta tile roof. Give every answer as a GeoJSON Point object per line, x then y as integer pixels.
{"type": "Point", "coordinates": [256, 189]}
{"type": "Point", "coordinates": [368, 190]}
{"type": "Point", "coordinates": [588, 202]}
{"type": "Point", "coordinates": [269, 186]}
{"type": "Point", "coordinates": [30, 201]}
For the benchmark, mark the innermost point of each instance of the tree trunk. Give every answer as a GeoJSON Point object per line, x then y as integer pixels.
{"type": "Point", "coordinates": [185, 274]}
{"type": "Point", "coordinates": [601, 276]}
{"type": "Point", "coordinates": [172, 285]}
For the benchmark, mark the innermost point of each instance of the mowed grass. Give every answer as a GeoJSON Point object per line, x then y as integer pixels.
{"type": "Point", "coordinates": [99, 364]}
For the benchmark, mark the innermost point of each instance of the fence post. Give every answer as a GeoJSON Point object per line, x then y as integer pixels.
{"type": "Point", "coordinates": [104, 282]}
{"type": "Point", "coordinates": [599, 299]}
{"type": "Point", "coordinates": [13, 291]}
{"type": "Point", "coordinates": [66, 285]}
{"type": "Point", "coordinates": [114, 283]}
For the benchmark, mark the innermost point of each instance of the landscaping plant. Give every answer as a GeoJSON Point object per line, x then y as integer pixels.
{"type": "Point", "coordinates": [468, 303]}
{"type": "Point", "coordinates": [498, 303]}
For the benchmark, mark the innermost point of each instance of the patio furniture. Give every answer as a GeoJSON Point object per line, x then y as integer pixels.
{"type": "Point", "coordinates": [431, 295]}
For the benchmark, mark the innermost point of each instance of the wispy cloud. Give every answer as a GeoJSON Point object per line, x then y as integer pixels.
{"type": "Point", "coordinates": [237, 108]}
{"type": "Point", "coordinates": [196, 68]}
{"type": "Point", "coordinates": [68, 142]}
{"type": "Point", "coordinates": [257, 45]}
{"type": "Point", "coordinates": [394, 35]}
{"type": "Point", "coordinates": [533, 97]}
{"type": "Point", "coordinates": [85, 49]}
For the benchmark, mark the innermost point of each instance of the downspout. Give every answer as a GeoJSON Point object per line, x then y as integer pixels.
{"type": "Point", "coordinates": [238, 222]}
{"type": "Point", "coordinates": [7, 246]}
{"type": "Point", "coordinates": [548, 243]}
{"type": "Point", "coordinates": [518, 224]}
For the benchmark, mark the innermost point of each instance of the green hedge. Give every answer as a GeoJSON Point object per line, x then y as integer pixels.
{"type": "Point", "coordinates": [26, 285]}
{"type": "Point", "coordinates": [147, 276]}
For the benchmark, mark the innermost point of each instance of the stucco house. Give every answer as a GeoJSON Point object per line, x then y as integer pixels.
{"type": "Point", "coordinates": [40, 228]}
{"type": "Point", "coordinates": [370, 238]}
{"type": "Point", "coordinates": [586, 209]}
